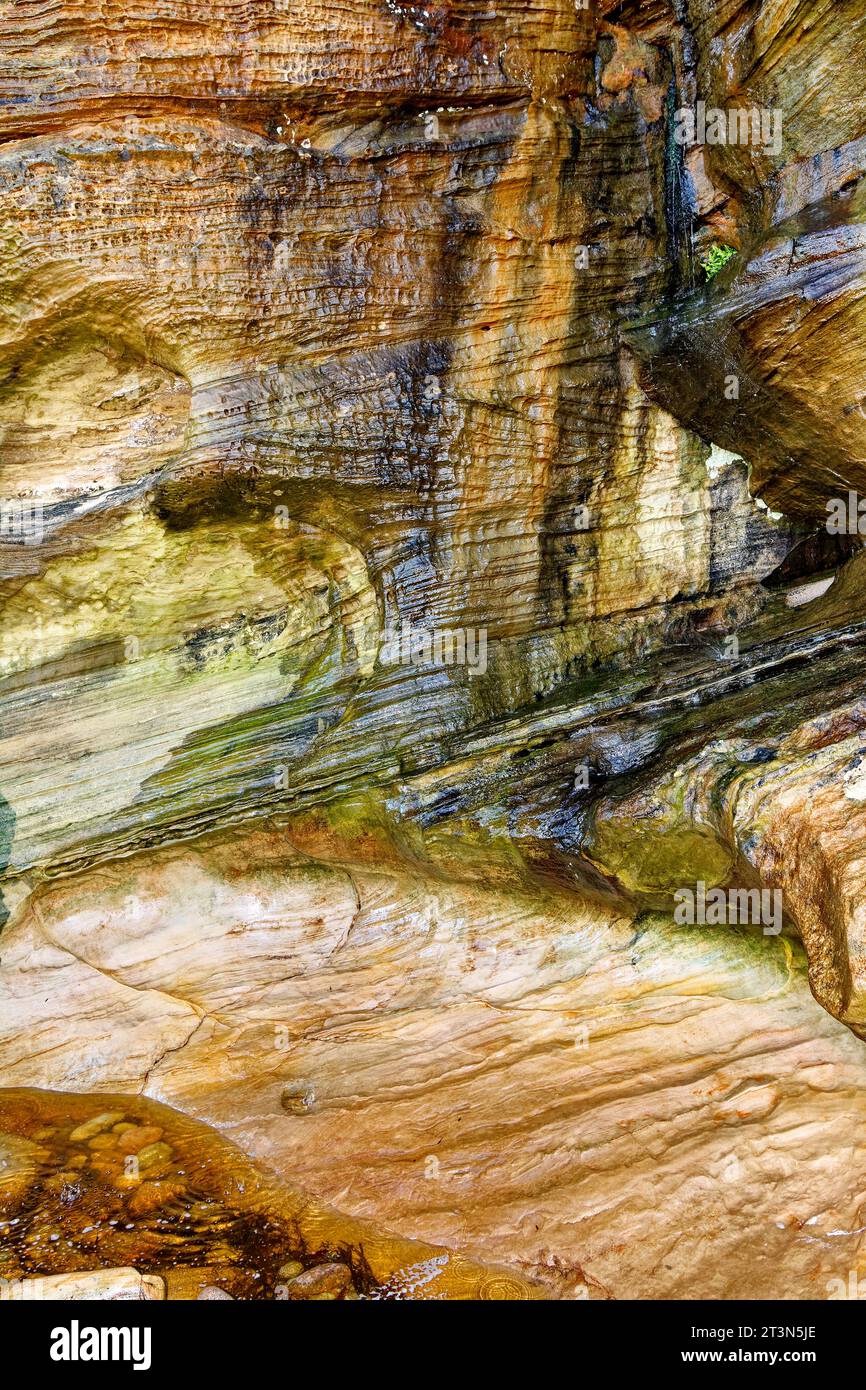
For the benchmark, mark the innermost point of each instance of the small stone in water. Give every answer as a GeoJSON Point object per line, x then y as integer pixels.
{"type": "Point", "coordinates": [333, 1279]}
{"type": "Point", "coordinates": [210, 1291]}
{"type": "Point", "coordinates": [125, 1182]}
{"type": "Point", "coordinates": [153, 1153]}
{"type": "Point", "coordinates": [152, 1195]}
{"type": "Point", "coordinates": [138, 1137]}
{"type": "Point", "coordinates": [290, 1269]}
{"type": "Point", "coordinates": [102, 1141]}
{"type": "Point", "coordinates": [96, 1125]}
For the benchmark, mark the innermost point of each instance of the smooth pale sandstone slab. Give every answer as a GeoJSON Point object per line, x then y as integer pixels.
{"type": "Point", "coordinates": [112, 1285]}
{"type": "Point", "coordinates": [622, 1107]}
{"type": "Point", "coordinates": [806, 593]}
{"type": "Point", "coordinates": [126, 1029]}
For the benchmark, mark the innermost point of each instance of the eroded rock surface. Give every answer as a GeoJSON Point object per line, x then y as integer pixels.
{"type": "Point", "coordinates": [518, 1076]}
{"type": "Point", "coordinates": [319, 331]}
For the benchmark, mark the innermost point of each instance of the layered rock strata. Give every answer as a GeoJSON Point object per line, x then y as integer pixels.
{"type": "Point", "coordinates": [415, 573]}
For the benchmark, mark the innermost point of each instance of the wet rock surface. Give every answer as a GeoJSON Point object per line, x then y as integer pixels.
{"type": "Point", "coordinates": [214, 1226]}
{"type": "Point", "coordinates": [415, 578]}
{"type": "Point", "coordinates": [19, 1164]}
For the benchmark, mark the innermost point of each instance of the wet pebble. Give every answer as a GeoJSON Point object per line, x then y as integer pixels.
{"type": "Point", "coordinates": [331, 1280]}
{"type": "Point", "coordinates": [139, 1137]}
{"type": "Point", "coordinates": [102, 1141]}
{"type": "Point", "coordinates": [153, 1153]}
{"type": "Point", "coordinates": [152, 1195]}
{"type": "Point", "coordinates": [95, 1125]}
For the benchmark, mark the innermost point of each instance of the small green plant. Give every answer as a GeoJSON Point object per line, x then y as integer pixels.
{"type": "Point", "coordinates": [716, 258]}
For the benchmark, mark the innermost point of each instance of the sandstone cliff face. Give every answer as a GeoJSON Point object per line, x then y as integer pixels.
{"type": "Point", "coordinates": [324, 327]}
